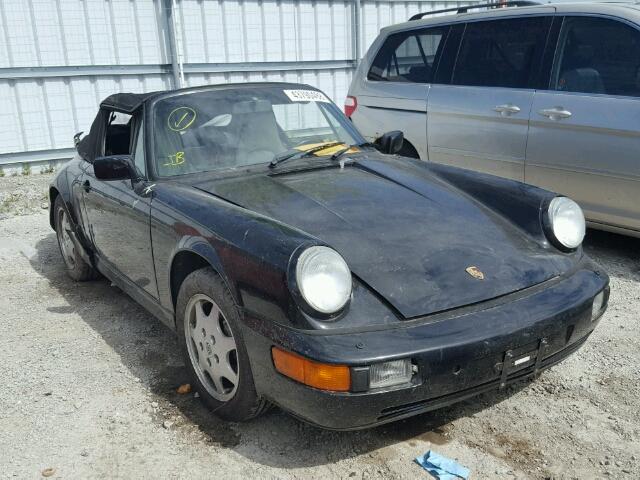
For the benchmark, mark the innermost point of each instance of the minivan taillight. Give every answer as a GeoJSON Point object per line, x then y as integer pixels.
{"type": "Point", "coordinates": [350, 105]}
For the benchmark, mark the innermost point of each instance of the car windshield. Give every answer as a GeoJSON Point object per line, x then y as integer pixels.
{"type": "Point", "coordinates": [227, 128]}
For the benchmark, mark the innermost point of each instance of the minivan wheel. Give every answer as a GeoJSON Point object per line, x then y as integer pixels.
{"type": "Point", "coordinates": [76, 267]}
{"type": "Point", "coordinates": [213, 348]}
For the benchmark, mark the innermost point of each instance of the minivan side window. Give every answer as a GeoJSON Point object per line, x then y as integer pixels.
{"type": "Point", "coordinates": [408, 56]}
{"type": "Point", "coordinates": [597, 55]}
{"type": "Point", "coordinates": [501, 53]}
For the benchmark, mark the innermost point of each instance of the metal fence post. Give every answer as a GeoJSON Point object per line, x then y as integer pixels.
{"type": "Point", "coordinates": [172, 45]}
{"type": "Point", "coordinates": [356, 30]}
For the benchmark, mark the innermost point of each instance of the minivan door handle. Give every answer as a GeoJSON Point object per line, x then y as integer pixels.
{"type": "Point", "coordinates": [506, 109]}
{"type": "Point", "coordinates": [555, 113]}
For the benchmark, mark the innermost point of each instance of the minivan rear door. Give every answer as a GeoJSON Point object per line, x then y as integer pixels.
{"type": "Point", "coordinates": [584, 135]}
{"type": "Point", "coordinates": [395, 89]}
{"type": "Point", "coordinates": [480, 120]}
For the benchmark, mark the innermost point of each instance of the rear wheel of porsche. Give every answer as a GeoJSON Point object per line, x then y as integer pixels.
{"type": "Point", "coordinates": [213, 348]}
{"type": "Point", "coordinates": [76, 267]}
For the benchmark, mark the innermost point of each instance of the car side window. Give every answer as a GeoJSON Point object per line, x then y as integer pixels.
{"type": "Point", "coordinates": [408, 56]}
{"type": "Point", "coordinates": [501, 53]}
{"type": "Point", "coordinates": [117, 140]}
{"type": "Point", "coordinates": [597, 55]}
{"type": "Point", "coordinates": [138, 152]}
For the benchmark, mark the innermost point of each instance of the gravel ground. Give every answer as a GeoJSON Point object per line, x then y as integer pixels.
{"type": "Point", "coordinates": [89, 385]}
{"type": "Point", "coordinates": [23, 194]}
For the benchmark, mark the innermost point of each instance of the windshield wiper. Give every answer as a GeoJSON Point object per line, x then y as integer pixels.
{"type": "Point", "coordinates": [344, 150]}
{"type": "Point", "coordinates": [283, 157]}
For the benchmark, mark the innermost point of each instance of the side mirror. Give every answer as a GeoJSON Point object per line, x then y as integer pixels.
{"type": "Point", "coordinates": [390, 142]}
{"type": "Point", "coordinates": [115, 167]}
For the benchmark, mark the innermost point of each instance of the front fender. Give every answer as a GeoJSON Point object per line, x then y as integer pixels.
{"type": "Point", "coordinates": [524, 205]}
{"type": "Point", "coordinates": [200, 246]}
{"type": "Point", "coordinates": [249, 251]}
{"type": "Point", "coordinates": [520, 204]}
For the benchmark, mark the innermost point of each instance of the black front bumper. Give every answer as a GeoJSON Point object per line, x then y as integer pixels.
{"type": "Point", "coordinates": [456, 358]}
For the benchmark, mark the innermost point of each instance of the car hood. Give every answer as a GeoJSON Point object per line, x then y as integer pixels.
{"type": "Point", "coordinates": [413, 245]}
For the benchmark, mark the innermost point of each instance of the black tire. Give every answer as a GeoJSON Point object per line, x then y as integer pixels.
{"type": "Point", "coordinates": [76, 267]}
{"type": "Point", "coordinates": [245, 402]}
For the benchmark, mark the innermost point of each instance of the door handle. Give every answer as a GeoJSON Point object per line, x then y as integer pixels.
{"type": "Point", "coordinates": [506, 109]}
{"type": "Point", "coordinates": [86, 185]}
{"type": "Point", "coordinates": [555, 113]}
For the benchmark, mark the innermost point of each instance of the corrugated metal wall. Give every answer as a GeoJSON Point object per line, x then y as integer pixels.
{"type": "Point", "coordinates": [59, 58]}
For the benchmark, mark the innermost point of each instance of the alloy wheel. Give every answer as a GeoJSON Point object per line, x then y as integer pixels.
{"type": "Point", "coordinates": [212, 347]}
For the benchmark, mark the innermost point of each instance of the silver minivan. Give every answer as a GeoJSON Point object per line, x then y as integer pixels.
{"type": "Point", "coordinates": [545, 94]}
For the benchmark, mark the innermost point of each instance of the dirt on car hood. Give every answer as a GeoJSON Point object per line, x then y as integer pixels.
{"type": "Point", "coordinates": [423, 250]}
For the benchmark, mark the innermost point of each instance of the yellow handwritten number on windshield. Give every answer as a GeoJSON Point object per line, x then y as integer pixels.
{"type": "Point", "coordinates": [175, 160]}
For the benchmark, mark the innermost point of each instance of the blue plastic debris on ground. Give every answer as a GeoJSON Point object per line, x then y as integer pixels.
{"type": "Point", "coordinates": [442, 468]}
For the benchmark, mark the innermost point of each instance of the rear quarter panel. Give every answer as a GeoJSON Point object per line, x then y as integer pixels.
{"type": "Point", "coordinates": [386, 106]}
{"type": "Point", "coordinates": [67, 184]}
{"type": "Point", "coordinates": [376, 116]}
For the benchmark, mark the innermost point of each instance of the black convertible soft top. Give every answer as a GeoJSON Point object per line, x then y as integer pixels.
{"type": "Point", "coordinates": [127, 102]}
{"type": "Point", "coordinates": [120, 102]}
{"type": "Point", "coordinates": [130, 102]}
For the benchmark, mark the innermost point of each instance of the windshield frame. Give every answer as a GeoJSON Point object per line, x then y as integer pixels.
{"type": "Point", "coordinates": [150, 131]}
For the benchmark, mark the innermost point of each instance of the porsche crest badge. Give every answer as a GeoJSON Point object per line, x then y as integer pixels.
{"type": "Point", "coordinates": [475, 272]}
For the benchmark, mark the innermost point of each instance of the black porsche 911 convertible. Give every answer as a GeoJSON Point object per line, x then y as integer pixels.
{"type": "Point", "coordinates": [303, 267]}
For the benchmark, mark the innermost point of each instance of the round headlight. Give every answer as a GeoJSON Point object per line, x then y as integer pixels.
{"type": "Point", "coordinates": [567, 221]}
{"type": "Point", "coordinates": [324, 279]}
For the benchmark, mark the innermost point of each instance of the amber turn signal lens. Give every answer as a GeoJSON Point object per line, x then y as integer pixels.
{"type": "Point", "coordinates": [336, 378]}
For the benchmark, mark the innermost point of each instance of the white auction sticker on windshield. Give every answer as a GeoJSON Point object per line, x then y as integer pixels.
{"type": "Point", "coordinates": [306, 96]}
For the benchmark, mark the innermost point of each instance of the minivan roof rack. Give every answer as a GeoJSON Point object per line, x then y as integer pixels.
{"type": "Point", "coordinates": [519, 3]}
